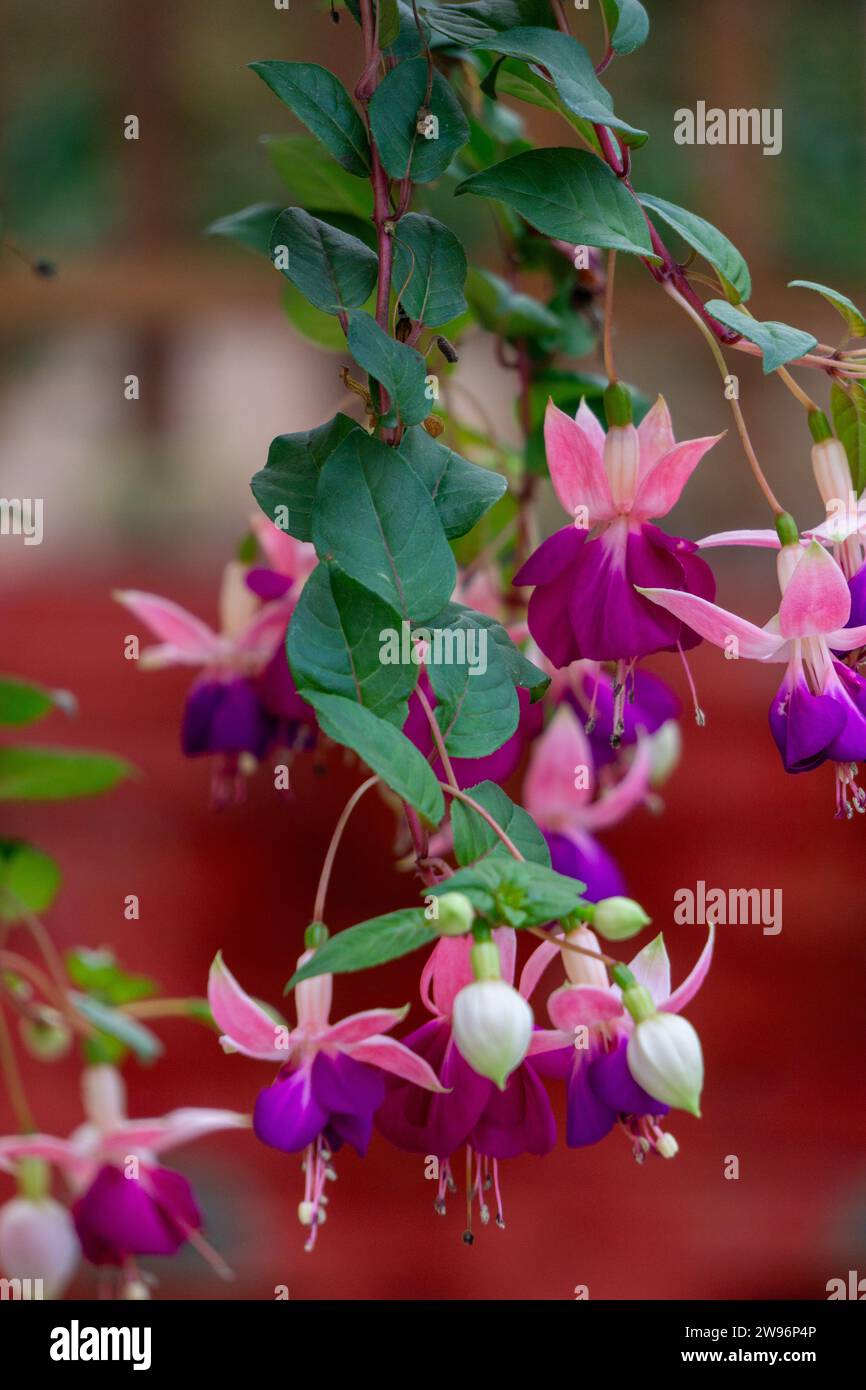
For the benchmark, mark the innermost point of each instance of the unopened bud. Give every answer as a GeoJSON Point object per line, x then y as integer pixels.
{"type": "Point", "coordinates": [832, 473]}
{"type": "Point", "coordinates": [621, 460]}
{"type": "Point", "coordinates": [664, 1057]}
{"type": "Point", "coordinates": [38, 1241]}
{"type": "Point", "coordinates": [617, 919]}
{"type": "Point", "coordinates": [492, 1028]}
{"type": "Point", "coordinates": [456, 914]}
{"type": "Point", "coordinates": [581, 969]}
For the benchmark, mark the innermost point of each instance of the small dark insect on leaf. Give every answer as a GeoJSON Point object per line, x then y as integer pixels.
{"type": "Point", "coordinates": [448, 350]}
{"type": "Point", "coordinates": [335, 17]}
{"type": "Point", "coordinates": [44, 268]}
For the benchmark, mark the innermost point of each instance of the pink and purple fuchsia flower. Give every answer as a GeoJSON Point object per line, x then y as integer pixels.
{"type": "Point", "coordinates": [126, 1204]}
{"type": "Point", "coordinates": [330, 1081]}
{"type": "Point", "coordinates": [819, 711]}
{"type": "Point", "coordinates": [585, 603]}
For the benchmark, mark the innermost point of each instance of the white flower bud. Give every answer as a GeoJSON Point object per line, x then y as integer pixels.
{"type": "Point", "coordinates": [492, 1026]}
{"type": "Point", "coordinates": [621, 460]}
{"type": "Point", "coordinates": [38, 1241]}
{"type": "Point", "coordinates": [665, 750]}
{"type": "Point", "coordinates": [583, 970]}
{"type": "Point", "coordinates": [616, 919]}
{"type": "Point", "coordinates": [664, 1056]}
{"type": "Point", "coordinates": [456, 914]}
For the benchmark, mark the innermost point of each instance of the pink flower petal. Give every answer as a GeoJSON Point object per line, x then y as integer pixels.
{"type": "Point", "coordinates": [767, 539]}
{"type": "Point", "coordinates": [548, 1040]}
{"type": "Point", "coordinates": [846, 639]}
{"type": "Point", "coordinates": [717, 624]}
{"type": "Point", "coordinates": [245, 1025]}
{"type": "Point", "coordinates": [588, 421]}
{"type": "Point", "coordinates": [536, 965]}
{"type": "Point", "coordinates": [169, 1131]}
{"type": "Point", "coordinates": [576, 466]}
{"type": "Point", "coordinates": [817, 598]}
{"type": "Point", "coordinates": [629, 792]}
{"type": "Point", "coordinates": [356, 1027]}
{"type": "Point", "coordinates": [189, 639]}
{"type": "Point", "coordinates": [574, 1006]}
{"type": "Point", "coordinates": [685, 992]}
{"type": "Point", "coordinates": [266, 631]}
{"type": "Point", "coordinates": [655, 436]}
{"type": "Point", "coordinates": [446, 971]}
{"type": "Point", "coordinates": [660, 489]}
{"type": "Point", "coordinates": [560, 756]}
{"type": "Point", "coordinates": [60, 1152]}
{"type": "Point", "coordinates": [506, 940]}
{"type": "Point", "coordinates": [394, 1057]}
{"type": "Point", "coordinates": [651, 968]}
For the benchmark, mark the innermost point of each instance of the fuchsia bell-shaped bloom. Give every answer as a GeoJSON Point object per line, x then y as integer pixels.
{"type": "Point", "coordinates": [495, 1123]}
{"type": "Point", "coordinates": [559, 792]}
{"type": "Point", "coordinates": [593, 1030]}
{"type": "Point", "coordinates": [330, 1080]}
{"type": "Point", "coordinates": [245, 700]}
{"type": "Point", "coordinates": [612, 484]}
{"type": "Point", "coordinates": [126, 1204]}
{"type": "Point", "coordinates": [819, 710]}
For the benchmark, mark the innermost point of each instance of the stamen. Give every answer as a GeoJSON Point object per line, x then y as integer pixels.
{"type": "Point", "coordinates": [700, 717]}
{"type": "Point", "coordinates": [500, 1218]}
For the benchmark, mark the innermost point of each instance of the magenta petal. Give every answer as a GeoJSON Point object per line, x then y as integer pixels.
{"type": "Point", "coordinates": [552, 569]}
{"type": "Point", "coordinates": [427, 1122]}
{"type": "Point", "coordinates": [804, 726]}
{"type": "Point", "coordinates": [517, 1120]}
{"type": "Point", "coordinates": [119, 1216]}
{"type": "Point", "coordinates": [225, 717]}
{"type": "Point", "coordinates": [850, 745]}
{"type": "Point", "coordinates": [344, 1085]}
{"type": "Point", "coordinates": [614, 1085]}
{"type": "Point", "coordinates": [588, 1118]}
{"type": "Point", "coordinates": [588, 862]}
{"type": "Point", "coordinates": [287, 1115]}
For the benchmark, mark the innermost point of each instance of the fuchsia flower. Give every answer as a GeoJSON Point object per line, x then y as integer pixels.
{"type": "Point", "coordinates": [589, 1041]}
{"type": "Point", "coordinates": [496, 1123]}
{"type": "Point", "coordinates": [127, 1204]}
{"type": "Point", "coordinates": [329, 1084]}
{"type": "Point", "coordinates": [245, 701]}
{"type": "Point", "coordinates": [559, 793]}
{"type": "Point", "coordinates": [612, 484]}
{"type": "Point", "coordinates": [819, 710]}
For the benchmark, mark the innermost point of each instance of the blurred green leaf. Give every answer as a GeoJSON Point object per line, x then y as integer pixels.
{"type": "Point", "coordinates": [250, 226]}
{"type": "Point", "coordinates": [316, 180]}
{"type": "Point", "coordinates": [98, 973]}
{"type": "Point", "coordinates": [28, 877]}
{"type": "Point", "coordinates": [22, 702]}
{"type": "Point", "coordinates": [848, 405]}
{"type": "Point", "coordinates": [51, 774]}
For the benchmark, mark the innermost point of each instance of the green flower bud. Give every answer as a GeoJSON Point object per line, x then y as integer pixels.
{"type": "Point", "coordinates": [617, 919]}
{"type": "Point", "coordinates": [456, 914]}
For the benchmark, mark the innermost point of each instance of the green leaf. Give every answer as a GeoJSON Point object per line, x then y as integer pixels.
{"type": "Point", "coordinates": [317, 327]}
{"type": "Point", "coordinates": [333, 270]}
{"type": "Point", "coordinates": [394, 119]}
{"type": "Point", "coordinates": [573, 74]}
{"type": "Point", "coordinates": [383, 748]}
{"type": "Point", "coordinates": [22, 702]}
{"type": "Point", "coordinates": [120, 1030]}
{"type": "Point", "coordinates": [846, 307]}
{"type": "Point", "coordinates": [568, 194]}
{"type": "Point", "coordinates": [849, 419]}
{"type": "Point", "coordinates": [51, 774]}
{"type": "Point", "coordinates": [504, 311]}
{"type": "Point", "coordinates": [520, 668]}
{"type": "Point", "coordinates": [98, 973]}
{"type": "Point", "coordinates": [514, 893]}
{"type": "Point", "coordinates": [473, 837]}
{"type": "Point", "coordinates": [369, 943]}
{"type": "Point", "coordinates": [778, 341]}
{"type": "Point", "coordinates": [483, 19]}
{"type": "Point", "coordinates": [389, 22]}
{"type": "Point", "coordinates": [476, 701]}
{"type": "Point", "coordinates": [250, 226]}
{"type": "Point", "coordinates": [28, 878]}
{"type": "Point", "coordinates": [316, 180]}
{"type": "Point", "coordinates": [462, 491]}
{"type": "Point", "coordinates": [285, 488]}
{"type": "Point", "coordinates": [318, 98]}
{"type": "Point", "coordinates": [710, 243]}
{"type": "Point", "coordinates": [400, 369]}
{"type": "Point", "coordinates": [429, 270]}
{"type": "Point", "coordinates": [627, 24]}
{"type": "Point", "coordinates": [335, 643]}
{"type": "Point", "coordinates": [375, 517]}
{"type": "Point", "coordinates": [512, 78]}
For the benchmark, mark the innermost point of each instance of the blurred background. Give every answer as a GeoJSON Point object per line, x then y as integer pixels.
{"type": "Point", "coordinates": [153, 494]}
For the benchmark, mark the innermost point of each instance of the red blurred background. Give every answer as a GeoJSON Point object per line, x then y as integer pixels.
{"type": "Point", "coordinates": [153, 496]}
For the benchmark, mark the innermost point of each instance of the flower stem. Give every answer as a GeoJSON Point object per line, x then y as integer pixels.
{"type": "Point", "coordinates": [437, 735]}
{"type": "Point", "coordinates": [485, 816]}
{"type": "Point", "coordinates": [609, 368]}
{"type": "Point", "coordinates": [14, 1083]}
{"type": "Point", "coordinates": [327, 866]}
{"type": "Point", "coordinates": [772, 501]}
